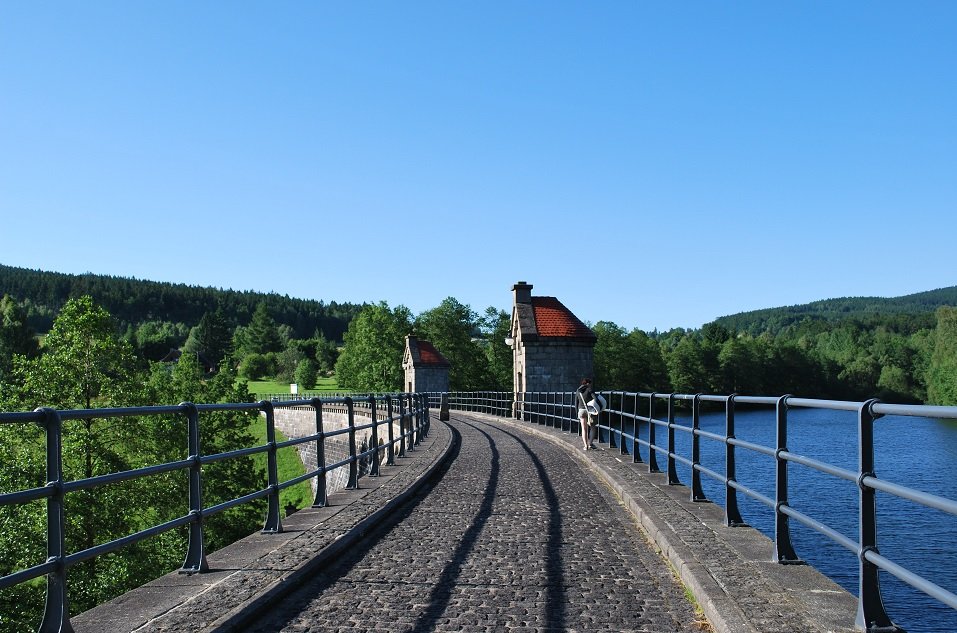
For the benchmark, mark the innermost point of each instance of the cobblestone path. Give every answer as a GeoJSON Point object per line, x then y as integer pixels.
{"type": "Point", "coordinates": [513, 536]}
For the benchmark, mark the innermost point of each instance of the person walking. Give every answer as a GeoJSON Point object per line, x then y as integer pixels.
{"type": "Point", "coordinates": [589, 422]}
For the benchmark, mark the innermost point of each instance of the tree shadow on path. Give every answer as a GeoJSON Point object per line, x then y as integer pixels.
{"type": "Point", "coordinates": [555, 593]}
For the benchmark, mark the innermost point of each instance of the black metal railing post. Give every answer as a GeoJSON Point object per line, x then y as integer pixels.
{"type": "Point", "coordinates": [697, 492]}
{"type": "Point", "coordinates": [417, 404]}
{"type": "Point", "coordinates": [410, 412]}
{"type": "Point", "coordinates": [622, 444]}
{"type": "Point", "coordinates": [635, 454]}
{"type": "Point", "coordinates": [563, 418]}
{"type": "Point", "coordinates": [401, 399]}
{"type": "Point", "coordinates": [427, 417]}
{"type": "Point", "coordinates": [273, 523]}
{"type": "Point", "coordinates": [783, 548]}
{"type": "Point", "coordinates": [374, 466]}
{"type": "Point", "coordinates": [652, 453]}
{"type": "Point", "coordinates": [390, 449]}
{"type": "Point", "coordinates": [732, 516]}
{"type": "Point", "coordinates": [612, 412]}
{"type": "Point", "coordinates": [353, 482]}
{"type": "Point", "coordinates": [56, 612]}
{"type": "Point", "coordinates": [672, 466]}
{"type": "Point", "coordinates": [322, 497]}
{"type": "Point", "coordinates": [420, 407]}
{"type": "Point", "coordinates": [195, 551]}
{"type": "Point", "coordinates": [871, 615]}
{"type": "Point", "coordinates": [570, 410]}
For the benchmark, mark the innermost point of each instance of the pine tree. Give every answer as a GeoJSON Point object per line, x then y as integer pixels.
{"type": "Point", "coordinates": [212, 337]}
{"type": "Point", "coordinates": [262, 334]}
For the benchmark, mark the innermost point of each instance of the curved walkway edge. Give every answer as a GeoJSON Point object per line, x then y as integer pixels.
{"type": "Point", "coordinates": [729, 570]}
{"type": "Point", "coordinates": [249, 575]}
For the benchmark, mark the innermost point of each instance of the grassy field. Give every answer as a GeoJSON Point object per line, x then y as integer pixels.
{"type": "Point", "coordinates": [288, 465]}
{"type": "Point", "coordinates": [288, 462]}
{"type": "Point", "coordinates": [260, 387]}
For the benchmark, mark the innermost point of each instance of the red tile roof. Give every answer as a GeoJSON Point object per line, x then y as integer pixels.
{"type": "Point", "coordinates": [552, 318]}
{"type": "Point", "coordinates": [428, 355]}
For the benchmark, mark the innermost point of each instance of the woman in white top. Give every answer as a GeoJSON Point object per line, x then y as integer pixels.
{"type": "Point", "coordinates": [589, 422]}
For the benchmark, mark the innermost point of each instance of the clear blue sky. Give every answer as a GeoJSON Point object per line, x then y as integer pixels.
{"type": "Point", "coordinates": [651, 164]}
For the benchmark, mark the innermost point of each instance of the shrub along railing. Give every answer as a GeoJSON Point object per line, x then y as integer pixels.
{"type": "Point", "coordinates": [619, 425]}
{"type": "Point", "coordinates": [409, 411]}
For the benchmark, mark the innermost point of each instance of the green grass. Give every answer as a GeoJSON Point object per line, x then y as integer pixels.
{"type": "Point", "coordinates": [287, 459]}
{"type": "Point", "coordinates": [263, 387]}
{"type": "Point", "coordinates": [288, 465]}
{"type": "Point", "coordinates": [326, 384]}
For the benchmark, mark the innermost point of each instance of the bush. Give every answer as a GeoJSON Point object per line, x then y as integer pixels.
{"type": "Point", "coordinates": [306, 373]}
{"type": "Point", "coordinates": [254, 366]}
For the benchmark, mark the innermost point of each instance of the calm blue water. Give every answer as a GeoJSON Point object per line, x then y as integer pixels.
{"type": "Point", "coordinates": [917, 452]}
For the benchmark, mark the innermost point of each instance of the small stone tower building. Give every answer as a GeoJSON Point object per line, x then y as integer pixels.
{"type": "Point", "coordinates": [426, 370]}
{"type": "Point", "coordinates": [552, 350]}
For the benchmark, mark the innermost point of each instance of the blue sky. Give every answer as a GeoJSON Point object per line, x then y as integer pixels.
{"type": "Point", "coordinates": [656, 165]}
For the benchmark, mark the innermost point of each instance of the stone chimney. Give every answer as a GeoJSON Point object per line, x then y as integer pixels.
{"type": "Point", "coordinates": [522, 293]}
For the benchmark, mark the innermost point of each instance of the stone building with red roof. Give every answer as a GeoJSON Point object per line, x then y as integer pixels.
{"type": "Point", "coordinates": [426, 370]}
{"type": "Point", "coordinates": [552, 350]}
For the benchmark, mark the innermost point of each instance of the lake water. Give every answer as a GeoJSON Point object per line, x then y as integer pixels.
{"type": "Point", "coordinates": [919, 453]}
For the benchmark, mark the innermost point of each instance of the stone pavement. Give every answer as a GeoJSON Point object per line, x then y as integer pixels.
{"type": "Point", "coordinates": [729, 570]}
{"type": "Point", "coordinates": [253, 572]}
{"type": "Point", "coordinates": [518, 529]}
{"type": "Point", "coordinates": [513, 536]}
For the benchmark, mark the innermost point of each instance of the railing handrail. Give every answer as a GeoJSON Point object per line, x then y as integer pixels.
{"type": "Point", "coordinates": [559, 410]}
{"type": "Point", "coordinates": [410, 411]}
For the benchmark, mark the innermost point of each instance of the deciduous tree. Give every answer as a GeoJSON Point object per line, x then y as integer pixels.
{"type": "Point", "coordinates": [942, 373]}
{"type": "Point", "coordinates": [496, 325]}
{"type": "Point", "coordinates": [450, 328]}
{"type": "Point", "coordinates": [84, 365]}
{"type": "Point", "coordinates": [371, 359]}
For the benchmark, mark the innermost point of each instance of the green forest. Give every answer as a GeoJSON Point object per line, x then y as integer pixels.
{"type": "Point", "coordinates": [88, 341]}
{"type": "Point", "coordinates": [897, 349]}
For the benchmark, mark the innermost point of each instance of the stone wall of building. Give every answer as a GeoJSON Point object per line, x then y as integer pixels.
{"type": "Point", "coordinates": [553, 366]}
{"type": "Point", "coordinates": [427, 379]}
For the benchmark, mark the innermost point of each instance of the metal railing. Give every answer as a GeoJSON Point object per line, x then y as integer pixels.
{"type": "Point", "coordinates": [409, 411]}
{"type": "Point", "coordinates": [493, 402]}
{"type": "Point", "coordinates": [658, 411]}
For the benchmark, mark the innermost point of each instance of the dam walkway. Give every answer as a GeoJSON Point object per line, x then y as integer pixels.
{"type": "Point", "coordinates": [494, 525]}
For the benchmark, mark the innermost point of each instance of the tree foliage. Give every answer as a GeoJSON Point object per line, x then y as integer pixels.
{"type": "Point", "coordinates": [153, 340]}
{"type": "Point", "coordinates": [262, 333]}
{"type": "Point", "coordinates": [371, 358]}
{"type": "Point", "coordinates": [16, 335]}
{"type": "Point", "coordinates": [942, 374]}
{"type": "Point", "coordinates": [450, 327]}
{"type": "Point", "coordinates": [496, 326]}
{"type": "Point", "coordinates": [219, 432]}
{"type": "Point", "coordinates": [85, 364]}
{"type": "Point", "coordinates": [134, 301]}
{"type": "Point", "coordinates": [212, 337]}
{"type": "Point", "coordinates": [306, 373]}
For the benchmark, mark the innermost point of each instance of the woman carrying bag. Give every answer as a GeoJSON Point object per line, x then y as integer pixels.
{"type": "Point", "coordinates": [589, 406]}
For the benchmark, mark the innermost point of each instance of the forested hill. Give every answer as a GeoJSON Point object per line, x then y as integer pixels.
{"type": "Point", "coordinates": [773, 320]}
{"type": "Point", "coordinates": [134, 301]}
